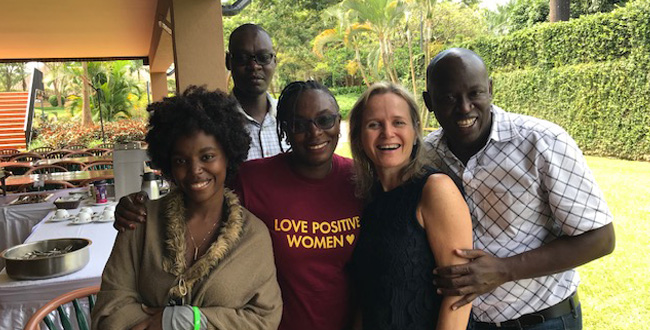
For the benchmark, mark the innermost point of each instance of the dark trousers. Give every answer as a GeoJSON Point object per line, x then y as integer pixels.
{"type": "Point", "coordinates": [569, 321]}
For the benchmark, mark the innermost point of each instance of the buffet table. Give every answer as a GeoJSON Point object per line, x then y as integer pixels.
{"type": "Point", "coordinates": [20, 299]}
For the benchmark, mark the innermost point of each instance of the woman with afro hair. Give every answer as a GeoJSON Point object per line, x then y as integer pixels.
{"type": "Point", "coordinates": [190, 266]}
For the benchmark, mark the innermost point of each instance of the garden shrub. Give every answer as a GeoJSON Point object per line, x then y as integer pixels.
{"type": "Point", "coordinates": [55, 102]}
{"type": "Point", "coordinates": [604, 106]}
{"type": "Point", "coordinates": [589, 75]}
{"type": "Point", "coordinates": [60, 134]}
{"type": "Point", "coordinates": [590, 38]}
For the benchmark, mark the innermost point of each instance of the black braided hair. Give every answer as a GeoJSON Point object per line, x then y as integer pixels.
{"type": "Point", "coordinates": [287, 103]}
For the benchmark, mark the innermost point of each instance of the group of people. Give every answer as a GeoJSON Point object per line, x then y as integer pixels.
{"type": "Point", "coordinates": [479, 225]}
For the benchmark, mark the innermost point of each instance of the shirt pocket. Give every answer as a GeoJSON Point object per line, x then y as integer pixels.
{"type": "Point", "coordinates": [510, 214]}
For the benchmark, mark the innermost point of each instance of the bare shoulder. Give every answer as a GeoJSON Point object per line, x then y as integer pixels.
{"type": "Point", "coordinates": [442, 203]}
{"type": "Point", "coordinates": [440, 186]}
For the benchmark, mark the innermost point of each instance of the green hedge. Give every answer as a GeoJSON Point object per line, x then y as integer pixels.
{"type": "Point", "coordinates": [590, 38]}
{"type": "Point", "coordinates": [604, 106]}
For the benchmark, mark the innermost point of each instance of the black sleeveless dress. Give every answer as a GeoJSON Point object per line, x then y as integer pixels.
{"type": "Point", "coordinates": [392, 263]}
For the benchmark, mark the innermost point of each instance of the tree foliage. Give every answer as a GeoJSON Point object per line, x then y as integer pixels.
{"type": "Point", "coordinates": [292, 25]}
{"type": "Point", "coordinates": [11, 74]}
{"type": "Point", "coordinates": [589, 75]}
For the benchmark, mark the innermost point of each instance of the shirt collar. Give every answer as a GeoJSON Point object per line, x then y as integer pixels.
{"type": "Point", "coordinates": [272, 108]}
{"type": "Point", "coordinates": [503, 129]}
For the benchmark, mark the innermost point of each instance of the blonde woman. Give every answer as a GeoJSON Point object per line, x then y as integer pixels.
{"type": "Point", "coordinates": [413, 220]}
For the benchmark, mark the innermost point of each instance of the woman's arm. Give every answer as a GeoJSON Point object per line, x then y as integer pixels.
{"type": "Point", "coordinates": [445, 217]}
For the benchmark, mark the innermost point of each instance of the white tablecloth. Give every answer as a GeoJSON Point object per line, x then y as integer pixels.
{"type": "Point", "coordinates": [16, 221]}
{"type": "Point", "coordinates": [20, 299]}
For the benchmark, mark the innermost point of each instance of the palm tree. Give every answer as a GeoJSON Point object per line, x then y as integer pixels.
{"type": "Point", "coordinates": [382, 17]}
{"type": "Point", "coordinates": [345, 34]}
{"type": "Point", "coordinates": [116, 91]}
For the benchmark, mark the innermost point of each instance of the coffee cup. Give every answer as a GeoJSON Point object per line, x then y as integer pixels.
{"type": "Point", "coordinates": [86, 209]}
{"type": "Point", "coordinates": [107, 215]}
{"type": "Point", "coordinates": [84, 217]}
{"type": "Point", "coordinates": [61, 214]}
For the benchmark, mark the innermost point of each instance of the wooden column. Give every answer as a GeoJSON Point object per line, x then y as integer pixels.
{"type": "Point", "coordinates": [158, 86]}
{"type": "Point", "coordinates": [199, 53]}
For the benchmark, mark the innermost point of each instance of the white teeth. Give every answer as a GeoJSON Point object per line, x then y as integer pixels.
{"type": "Point", "coordinates": [463, 123]}
{"type": "Point", "coordinates": [389, 146]}
{"type": "Point", "coordinates": [199, 185]}
{"type": "Point", "coordinates": [318, 146]}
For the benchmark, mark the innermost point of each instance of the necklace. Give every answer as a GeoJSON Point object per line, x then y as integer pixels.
{"type": "Point", "coordinates": [196, 248]}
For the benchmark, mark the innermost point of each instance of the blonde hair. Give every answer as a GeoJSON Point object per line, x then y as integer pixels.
{"type": "Point", "coordinates": [364, 172]}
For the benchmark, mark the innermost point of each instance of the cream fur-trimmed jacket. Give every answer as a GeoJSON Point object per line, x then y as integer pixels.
{"type": "Point", "coordinates": [234, 283]}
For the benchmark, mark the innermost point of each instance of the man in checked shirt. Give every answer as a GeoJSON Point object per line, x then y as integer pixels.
{"type": "Point", "coordinates": [537, 212]}
{"type": "Point", "coordinates": [251, 61]}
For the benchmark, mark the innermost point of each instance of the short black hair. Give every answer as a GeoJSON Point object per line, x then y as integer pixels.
{"type": "Point", "coordinates": [197, 109]}
{"type": "Point", "coordinates": [456, 52]}
{"type": "Point", "coordinates": [245, 27]}
{"type": "Point", "coordinates": [288, 99]}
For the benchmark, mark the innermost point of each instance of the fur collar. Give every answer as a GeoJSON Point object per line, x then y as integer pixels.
{"type": "Point", "coordinates": [230, 232]}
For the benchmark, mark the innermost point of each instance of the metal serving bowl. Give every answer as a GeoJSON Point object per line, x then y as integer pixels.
{"type": "Point", "coordinates": [46, 259]}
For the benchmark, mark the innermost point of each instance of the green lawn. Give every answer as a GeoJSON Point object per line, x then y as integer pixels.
{"type": "Point", "coordinates": [615, 290]}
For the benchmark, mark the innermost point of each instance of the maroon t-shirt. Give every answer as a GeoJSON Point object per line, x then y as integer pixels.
{"type": "Point", "coordinates": [314, 225]}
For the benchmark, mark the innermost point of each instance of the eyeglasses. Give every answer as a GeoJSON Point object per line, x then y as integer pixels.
{"type": "Point", "coordinates": [325, 121]}
{"type": "Point", "coordinates": [260, 58]}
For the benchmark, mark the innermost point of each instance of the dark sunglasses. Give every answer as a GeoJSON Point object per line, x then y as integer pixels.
{"type": "Point", "coordinates": [325, 121]}
{"type": "Point", "coordinates": [260, 58]}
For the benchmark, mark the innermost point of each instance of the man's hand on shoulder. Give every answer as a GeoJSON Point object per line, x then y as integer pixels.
{"type": "Point", "coordinates": [130, 211]}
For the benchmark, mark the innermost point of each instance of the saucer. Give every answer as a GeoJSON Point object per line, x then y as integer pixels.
{"type": "Point", "coordinates": [98, 218]}
{"type": "Point", "coordinates": [77, 222]}
{"type": "Point", "coordinates": [55, 219]}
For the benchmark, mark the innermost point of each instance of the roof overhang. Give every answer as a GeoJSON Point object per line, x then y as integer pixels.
{"type": "Point", "coordinates": [62, 30]}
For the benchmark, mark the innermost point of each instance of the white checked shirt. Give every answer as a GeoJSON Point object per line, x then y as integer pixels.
{"type": "Point", "coordinates": [264, 136]}
{"type": "Point", "coordinates": [529, 185]}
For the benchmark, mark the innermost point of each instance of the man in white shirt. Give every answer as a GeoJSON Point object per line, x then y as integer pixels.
{"type": "Point", "coordinates": [536, 209]}
{"type": "Point", "coordinates": [251, 61]}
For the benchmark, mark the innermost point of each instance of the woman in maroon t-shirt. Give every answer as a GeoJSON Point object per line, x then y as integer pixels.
{"type": "Point", "coordinates": [306, 198]}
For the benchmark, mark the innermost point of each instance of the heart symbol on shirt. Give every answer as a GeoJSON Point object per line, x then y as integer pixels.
{"type": "Point", "coordinates": [350, 238]}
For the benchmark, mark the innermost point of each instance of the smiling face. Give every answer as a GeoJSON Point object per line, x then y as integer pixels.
{"type": "Point", "coordinates": [387, 132]}
{"type": "Point", "coordinates": [199, 167]}
{"type": "Point", "coordinates": [460, 95]}
{"type": "Point", "coordinates": [250, 77]}
{"type": "Point", "coordinates": [314, 146]}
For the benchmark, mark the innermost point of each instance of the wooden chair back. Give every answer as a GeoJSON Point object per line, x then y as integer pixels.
{"type": "Point", "coordinates": [57, 154]}
{"type": "Point", "coordinates": [25, 157]}
{"type": "Point", "coordinates": [9, 151]}
{"type": "Point", "coordinates": [18, 169]}
{"type": "Point", "coordinates": [97, 151]}
{"type": "Point", "coordinates": [77, 154]}
{"type": "Point", "coordinates": [99, 165]}
{"type": "Point", "coordinates": [76, 147]}
{"type": "Point", "coordinates": [45, 169]}
{"type": "Point", "coordinates": [71, 164]}
{"type": "Point", "coordinates": [42, 150]}
{"type": "Point", "coordinates": [74, 297]}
